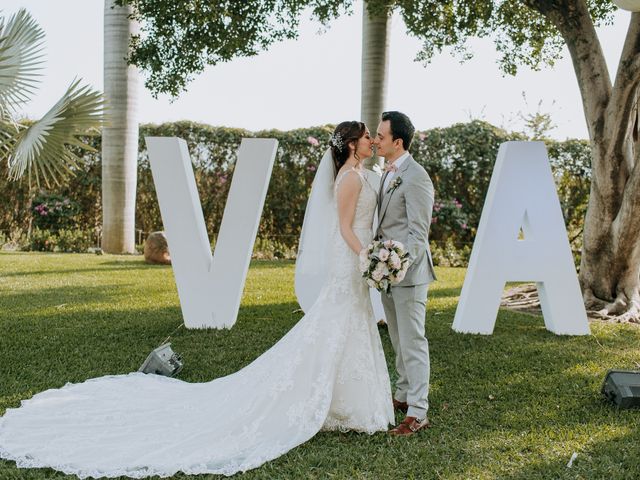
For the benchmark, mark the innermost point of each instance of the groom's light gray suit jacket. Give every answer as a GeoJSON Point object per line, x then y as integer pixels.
{"type": "Point", "coordinates": [404, 214]}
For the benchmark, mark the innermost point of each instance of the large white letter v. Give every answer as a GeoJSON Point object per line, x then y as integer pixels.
{"type": "Point", "coordinates": [522, 195]}
{"type": "Point", "coordinates": [210, 288]}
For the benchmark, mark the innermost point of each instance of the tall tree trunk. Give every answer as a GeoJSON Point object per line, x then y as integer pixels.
{"type": "Point", "coordinates": [610, 264]}
{"type": "Point", "coordinates": [376, 32]}
{"type": "Point", "coordinates": [120, 137]}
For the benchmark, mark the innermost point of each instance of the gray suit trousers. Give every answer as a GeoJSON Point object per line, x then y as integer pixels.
{"type": "Point", "coordinates": [405, 309]}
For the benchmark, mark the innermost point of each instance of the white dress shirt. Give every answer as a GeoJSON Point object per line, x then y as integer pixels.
{"type": "Point", "coordinates": [397, 164]}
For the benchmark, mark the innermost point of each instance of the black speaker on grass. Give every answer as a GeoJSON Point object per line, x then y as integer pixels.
{"type": "Point", "coordinates": [622, 387]}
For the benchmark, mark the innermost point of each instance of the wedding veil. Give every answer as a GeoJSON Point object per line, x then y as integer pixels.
{"type": "Point", "coordinates": [312, 264]}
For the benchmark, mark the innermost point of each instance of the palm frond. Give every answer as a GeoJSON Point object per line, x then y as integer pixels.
{"type": "Point", "coordinates": [43, 148]}
{"type": "Point", "coordinates": [21, 40]}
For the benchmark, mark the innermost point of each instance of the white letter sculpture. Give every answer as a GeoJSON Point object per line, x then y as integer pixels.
{"type": "Point", "coordinates": [210, 288]}
{"type": "Point", "coordinates": [521, 194]}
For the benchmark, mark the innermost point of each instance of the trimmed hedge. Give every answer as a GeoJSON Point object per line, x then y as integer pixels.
{"type": "Point", "coordinates": [458, 158]}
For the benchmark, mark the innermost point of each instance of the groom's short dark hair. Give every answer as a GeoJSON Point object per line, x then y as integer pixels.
{"type": "Point", "coordinates": [401, 127]}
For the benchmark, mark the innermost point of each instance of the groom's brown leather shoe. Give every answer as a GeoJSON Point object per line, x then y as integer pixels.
{"type": "Point", "coordinates": [409, 426]}
{"type": "Point", "coordinates": [400, 406]}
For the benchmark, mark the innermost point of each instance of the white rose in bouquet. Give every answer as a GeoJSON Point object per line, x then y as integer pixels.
{"type": "Point", "coordinates": [383, 254]}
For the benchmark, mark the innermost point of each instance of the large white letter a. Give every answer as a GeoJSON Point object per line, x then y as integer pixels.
{"type": "Point", "coordinates": [522, 195]}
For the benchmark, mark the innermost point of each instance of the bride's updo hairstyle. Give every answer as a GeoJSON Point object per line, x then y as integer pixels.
{"type": "Point", "coordinates": [345, 134]}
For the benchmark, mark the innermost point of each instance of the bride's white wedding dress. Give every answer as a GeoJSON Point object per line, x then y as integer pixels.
{"type": "Point", "coordinates": [327, 373]}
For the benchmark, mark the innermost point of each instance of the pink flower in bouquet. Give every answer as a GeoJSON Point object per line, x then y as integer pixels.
{"type": "Point", "coordinates": [378, 272]}
{"type": "Point", "coordinates": [388, 244]}
{"type": "Point", "coordinates": [397, 244]}
{"type": "Point", "coordinates": [394, 261]}
{"type": "Point", "coordinates": [383, 254]}
{"type": "Point", "coordinates": [371, 283]}
{"type": "Point", "coordinates": [400, 275]}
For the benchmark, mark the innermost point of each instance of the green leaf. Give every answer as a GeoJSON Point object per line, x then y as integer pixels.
{"type": "Point", "coordinates": [21, 40]}
{"type": "Point", "coordinates": [42, 148]}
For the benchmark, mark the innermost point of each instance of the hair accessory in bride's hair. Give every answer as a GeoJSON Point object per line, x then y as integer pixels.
{"type": "Point", "coordinates": [335, 140]}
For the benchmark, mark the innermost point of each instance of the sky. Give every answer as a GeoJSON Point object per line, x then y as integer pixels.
{"type": "Point", "coordinates": [315, 79]}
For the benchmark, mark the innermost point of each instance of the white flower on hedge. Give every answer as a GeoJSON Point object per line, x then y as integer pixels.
{"type": "Point", "coordinates": [383, 254]}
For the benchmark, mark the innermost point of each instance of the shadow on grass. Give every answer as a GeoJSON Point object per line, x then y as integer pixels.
{"type": "Point", "coordinates": [115, 267]}
{"type": "Point", "coordinates": [514, 404]}
{"type": "Point", "coordinates": [39, 353]}
{"type": "Point", "coordinates": [130, 264]}
{"type": "Point", "coordinates": [523, 394]}
{"type": "Point", "coordinates": [443, 293]}
{"type": "Point", "coordinates": [25, 303]}
{"type": "Point", "coordinates": [616, 457]}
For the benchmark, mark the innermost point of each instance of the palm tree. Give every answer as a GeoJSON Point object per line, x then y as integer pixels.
{"type": "Point", "coordinates": [376, 28]}
{"type": "Point", "coordinates": [120, 138]}
{"type": "Point", "coordinates": [42, 148]}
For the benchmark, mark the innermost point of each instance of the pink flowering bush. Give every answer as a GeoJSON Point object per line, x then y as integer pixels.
{"type": "Point", "coordinates": [449, 220]}
{"type": "Point", "coordinates": [53, 212]}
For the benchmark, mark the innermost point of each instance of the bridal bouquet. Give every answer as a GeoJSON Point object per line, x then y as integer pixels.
{"type": "Point", "coordinates": [384, 264]}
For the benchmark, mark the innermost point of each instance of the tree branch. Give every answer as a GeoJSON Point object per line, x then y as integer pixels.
{"type": "Point", "coordinates": [574, 22]}
{"type": "Point", "coordinates": [627, 222]}
{"type": "Point", "coordinates": [621, 107]}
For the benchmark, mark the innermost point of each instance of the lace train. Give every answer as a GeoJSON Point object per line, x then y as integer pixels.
{"type": "Point", "coordinates": [328, 372]}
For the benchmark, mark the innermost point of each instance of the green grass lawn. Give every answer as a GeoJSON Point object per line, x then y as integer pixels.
{"type": "Point", "coordinates": [515, 404]}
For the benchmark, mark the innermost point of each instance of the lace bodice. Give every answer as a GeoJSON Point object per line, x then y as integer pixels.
{"type": "Point", "coordinates": [366, 205]}
{"type": "Point", "coordinates": [344, 262]}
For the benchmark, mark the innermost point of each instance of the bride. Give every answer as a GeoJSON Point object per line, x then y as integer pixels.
{"type": "Point", "coordinates": [327, 373]}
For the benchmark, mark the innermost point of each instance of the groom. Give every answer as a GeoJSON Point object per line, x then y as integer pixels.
{"type": "Point", "coordinates": [405, 203]}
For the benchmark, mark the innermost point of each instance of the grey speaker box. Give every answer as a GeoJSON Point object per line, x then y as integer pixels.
{"type": "Point", "coordinates": [162, 361]}
{"type": "Point", "coordinates": [622, 387]}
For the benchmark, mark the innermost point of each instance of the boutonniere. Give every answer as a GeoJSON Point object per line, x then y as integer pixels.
{"type": "Point", "coordinates": [394, 184]}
